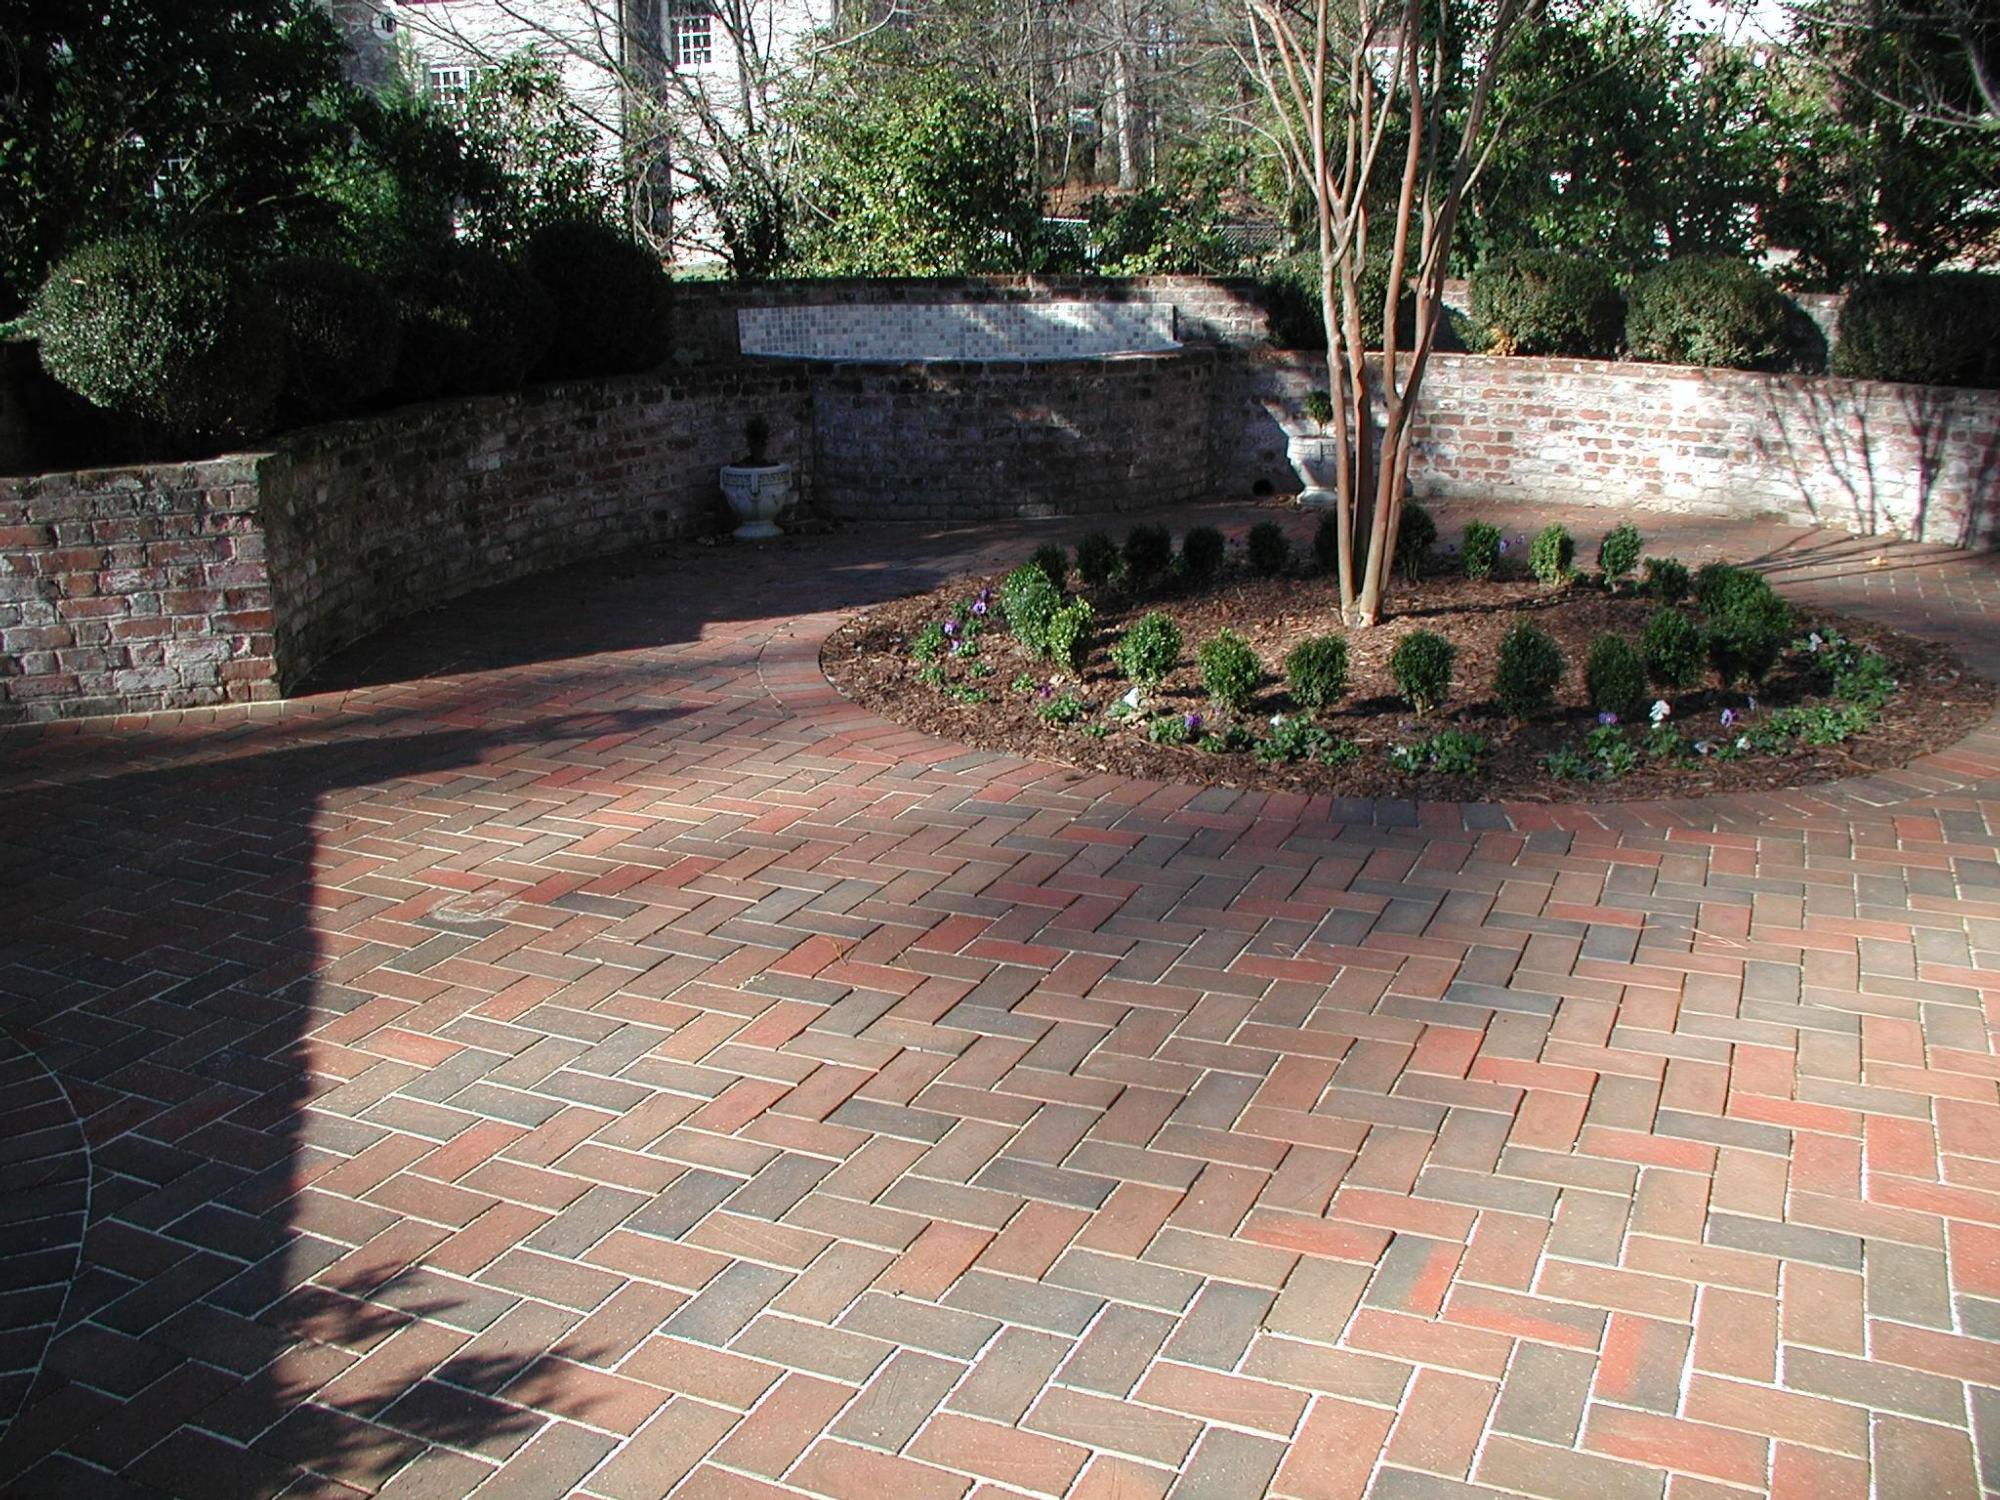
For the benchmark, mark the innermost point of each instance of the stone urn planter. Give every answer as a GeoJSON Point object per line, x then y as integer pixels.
{"type": "Point", "coordinates": [756, 489]}
{"type": "Point", "coordinates": [1314, 456]}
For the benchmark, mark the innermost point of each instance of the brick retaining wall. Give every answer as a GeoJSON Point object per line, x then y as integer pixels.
{"type": "Point", "coordinates": [964, 441]}
{"type": "Point", "coordinates": [174, 586]}
{"type": "Point", "coordinates": [1869, 456]}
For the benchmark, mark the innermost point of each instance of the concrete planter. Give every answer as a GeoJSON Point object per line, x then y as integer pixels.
{"type": "Point", "coordinates": [1315, 458]}
{"type": "Point", "coordinates": [756, 493]}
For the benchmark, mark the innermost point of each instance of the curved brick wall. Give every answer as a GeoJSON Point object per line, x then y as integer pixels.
{"type": "Point", "coordinates": [978, 441]}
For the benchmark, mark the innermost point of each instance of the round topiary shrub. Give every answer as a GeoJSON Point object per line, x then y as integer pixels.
{"type": "Point", "coordinates": [1421, 665]}
{"type": "Point", "coordinates": [1230, 670]}
{"type": "Point", "coordinates": [1616, 677]}
{"type": "Point", "coordinates": [341, 336]}
{"type": "Point", "coordinates": [1268, 549]}
{"type": "Point", "coordinates": [1528, 672]}
{"type": "Point", "coordinates": [1672, 646]}
{"type": "Point", "coordinates": [472, 323]}
{"type": "Point", "coordinates": [1668, 579]}
{"type": "Point", "coordinates": [1053, 561]}
{"type": "Point", "coordinates": [1316, 672]}
{"type": "Point", "coordinates": [1415, 537]}
{"type": "Point", "coordinates": [1618, 553]}
{"type": "Point", "coordinates": [611, 300]}
{"type": "Point", "coordinates": [1940, 329]}
{"type": "Point", "coordinates": [1480, 551]}
{"type": "Point", "coordinates": [1028, 600]}
{"type": "Point", "coordinates": [1542, 302]}
{"type": "Point", "coordinates": [163, 333]}
{"type": "Point", "coordinates": [1096, 560]}
{"type": "Point", "coordinates": [1552, 555]}
{"type": "Point", "coordinates": [1708, 310]}
{"type": "Point", "coordinates": [1148, 651]}
{"type": "Point", "coordinates": [1149, 552]}
{"type": "Point", "coordinates": [1202, 552]}
{"type": "Point", "coordinates": [1748, 625]}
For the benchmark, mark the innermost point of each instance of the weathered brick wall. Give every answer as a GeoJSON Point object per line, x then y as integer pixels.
{"type": "Point", "coordinates": [952, 441]}
{"type": "Point", "coordinates": [224, 581]}
{"type": "Point", "coordinates": [1866, 455]}
{"type": "Point", "coordinates": [1208, 309]}
{"type": "Point", "coordinates": [370, 525]}
{"type": "Point", "coordinates": [133, 588]}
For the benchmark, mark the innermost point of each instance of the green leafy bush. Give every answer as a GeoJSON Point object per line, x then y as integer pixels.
{"type": "Point", "coordinates": [1672, 646]}
{"type": "Point", "coordinates": [1029, 601]}
{"type": "Point", "coordinates": [1706, 310]}
{"type": "Point", "coordinates": [1148, 651]}
{"type": "Point", "coordinates": [1096, 560]}
{"type": "Point", "coordinates": [341, 336]}
{"type": "Point", "coordinates": [1452, 752]}
{"type": "Point", "coordinates": [1268, 549]}
{"type": "Point", "coordinates": [1481, 549]}
{"type": "Point", "coordinates": [1615, 677]}
{"type": "Point", "coordinates": [1415, 537]}
{"type": "Point", "coordinates": [1747, 630]}
{"type": "Point", "coordinates": [1542, 302]}
{"type": "Point", "coordinates": [1173, 729]}
{"type": "Point", "coordinates": [1326, 543]}
{"type": "Point", "coordinates": [610, 298]}
{"type": "Point", "coordinates": [1552, 555]}
{"type": "Point", "coordinates": [1668, 579]}
{"type": "Point", "coordinates": [1230, 670]}
{"type": "Point", "coordinates": [1316, 672]}
{"type": "Point", "coordinates": [1202, 552]}
{"type": "Point", "coordinates": [472, 323]}
{"type": "Point", "coordinates": [1716, 581]}
{"type": "Point", "coordinates": [1421, 665]}
{"type": "Point", "coordinates": [163, 333]}
{"type": "Point", "coordinates": [1149, 552]}
{"type": "Point", "coordinates": [1054, 563]}
{"type": "Point", "coordinates": [1528, 672]}
{"type": "Point", "coordinates": [1061, 708]}
{"type": "Point", "coordinates": [1937, 329]}
{"type": "Point", "coordinates": [1295, 739]}
{"type": "Point", "coordinates": [1618, 553]}
{"type": "Point", "coordinates": [1068, 633]}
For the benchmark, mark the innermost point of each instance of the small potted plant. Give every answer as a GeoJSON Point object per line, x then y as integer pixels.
{"type": "Point", "coordinates": [1314, 456]}
{"type": "Point", "coordinates": [756, 488]}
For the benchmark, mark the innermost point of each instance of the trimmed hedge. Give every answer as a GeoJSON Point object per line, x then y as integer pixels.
{"type": "Point", "coordinates": [1939, 329]}
{"type": "Point", "coordinates": [1540, 302]}
{"type": "Point", "coordinates": [1709, 310]}
{"type": "Point", "coordinates": [164, 333]}
{"type": "Point", "coordinates": [472, 324]}
{"type": "Point", "coordinates": [611, 300]}
{"type": "Point", "coordinates": [341, 336]}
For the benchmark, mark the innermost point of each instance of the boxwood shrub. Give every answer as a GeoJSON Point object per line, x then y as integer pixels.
{"type": "Point", "coordinates": [1940, 329]}
{"type": "Point", "coordinates": [341, 336]}
{"type": "Point", "coordinates": [1708, 310]}
{"type": "Point", "coordinates": [164, 333]}
{"type": "Point", "coordinates": [1542, 302]}
{"type": "Point", "coordinates": [610, 298]}
{"type": "Point", "coordinates": [472, 323]}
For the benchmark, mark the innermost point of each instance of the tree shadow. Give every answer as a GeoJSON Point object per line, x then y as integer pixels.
{"type": "Point", "coordinates": [178, 955]}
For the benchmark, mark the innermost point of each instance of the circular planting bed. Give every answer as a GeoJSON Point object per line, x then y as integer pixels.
{"type": "Point", "coordinates": [1185, 664]}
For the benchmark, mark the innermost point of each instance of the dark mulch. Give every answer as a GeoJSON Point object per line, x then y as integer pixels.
{"type": "Point", "coordinates": [867, 659]}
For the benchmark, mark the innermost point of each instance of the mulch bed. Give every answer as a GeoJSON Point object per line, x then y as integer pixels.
{"type": "Point", "coordinates": [867, 659]}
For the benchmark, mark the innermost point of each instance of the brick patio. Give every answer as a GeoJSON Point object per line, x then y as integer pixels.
{"type": "Point", "coordinates": [575, 1052]}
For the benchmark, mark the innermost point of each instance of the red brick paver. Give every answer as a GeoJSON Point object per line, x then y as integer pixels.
{"type": "Point", "coordinates": [578, 1053]}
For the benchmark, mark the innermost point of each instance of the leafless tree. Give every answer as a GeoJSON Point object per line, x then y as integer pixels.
{"type": "Point", "coordinates": [1345, 78]}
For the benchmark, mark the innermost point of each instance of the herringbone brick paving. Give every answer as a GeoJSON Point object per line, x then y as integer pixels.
{"type": "Point", "coordinates": [577, 1053]}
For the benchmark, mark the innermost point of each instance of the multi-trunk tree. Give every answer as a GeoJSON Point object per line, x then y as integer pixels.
{"type": "Point", "coordinates": [1385, 110]}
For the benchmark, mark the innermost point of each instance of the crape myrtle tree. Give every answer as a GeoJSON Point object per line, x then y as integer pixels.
{"type": "Point", "coordinates": [1385, 108]}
